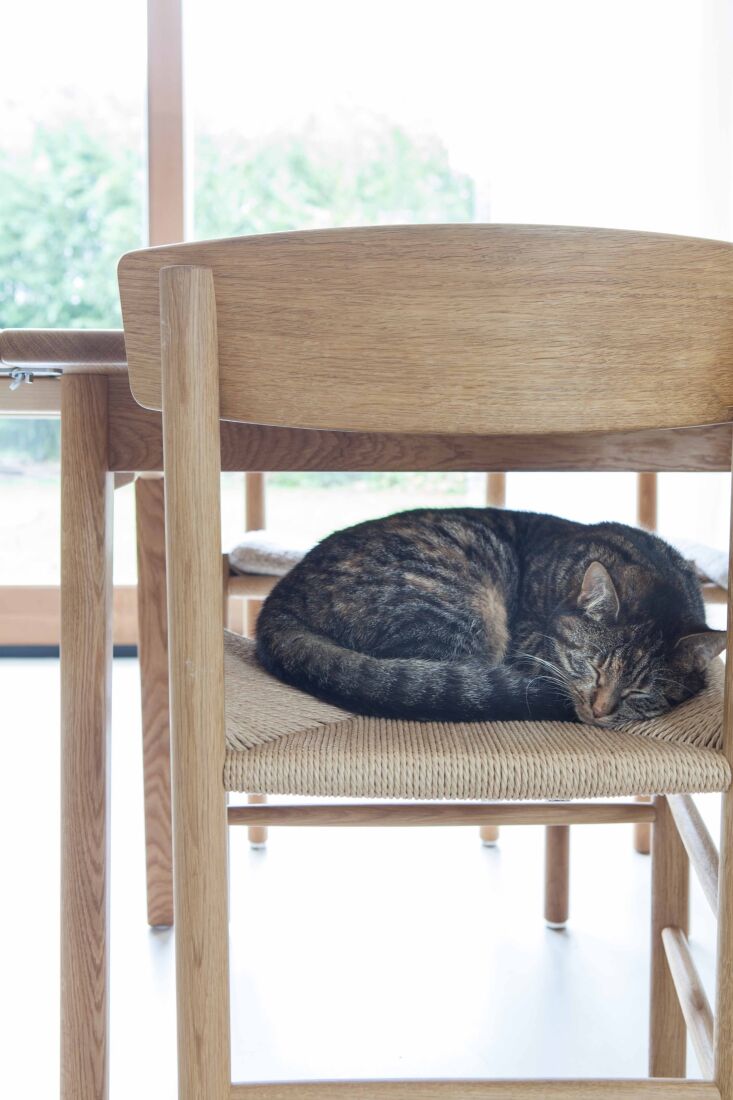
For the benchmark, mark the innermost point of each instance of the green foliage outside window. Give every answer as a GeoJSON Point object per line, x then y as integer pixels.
{"type": "Point", "coordinates": [70, 205]}
{"type": "Point", "coordinates": [379, 174]}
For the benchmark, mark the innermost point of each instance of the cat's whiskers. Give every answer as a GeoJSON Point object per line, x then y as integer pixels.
{"type": "Point", "coordinates": [563, 685]}
{"type": "Point", "coordinates": [558, 672]}
{"type": "Point", "coordinates": [560, 690]}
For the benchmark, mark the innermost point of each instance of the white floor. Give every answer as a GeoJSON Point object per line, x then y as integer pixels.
{"type": "Point", "coordinates": [354, 952]}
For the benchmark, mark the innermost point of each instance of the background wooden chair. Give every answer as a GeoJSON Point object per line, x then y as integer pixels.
{"type": "Point", "coordinates": [535, 304]}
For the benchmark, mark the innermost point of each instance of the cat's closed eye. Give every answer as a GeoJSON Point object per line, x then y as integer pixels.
{"type": "Point", "coordinates": [577, 663]}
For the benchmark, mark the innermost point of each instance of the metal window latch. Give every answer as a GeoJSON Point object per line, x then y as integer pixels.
{"type": "Point", "coordinates": [19, 375]}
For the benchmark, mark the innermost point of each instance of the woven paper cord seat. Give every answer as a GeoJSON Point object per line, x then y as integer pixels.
{"type": "Point", "coordinates": [283, 741]}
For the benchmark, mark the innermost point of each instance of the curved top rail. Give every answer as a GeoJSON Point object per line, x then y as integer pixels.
{"type": "Point", "coordinates": [455, 329]}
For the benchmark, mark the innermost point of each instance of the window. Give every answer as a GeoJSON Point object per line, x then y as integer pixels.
{"type": "Point", "coordinates": [71, 201]}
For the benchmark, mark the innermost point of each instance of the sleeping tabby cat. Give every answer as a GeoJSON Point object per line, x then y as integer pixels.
{"type": "Point", "coordinates": [482, 613]}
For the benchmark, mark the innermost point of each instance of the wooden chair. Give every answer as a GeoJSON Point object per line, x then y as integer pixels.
{"type": "Point", "coordinates": [518, 335]}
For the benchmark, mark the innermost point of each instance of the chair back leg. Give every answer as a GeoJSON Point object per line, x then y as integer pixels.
{"type": "Point", "coordinates": [152, 646]}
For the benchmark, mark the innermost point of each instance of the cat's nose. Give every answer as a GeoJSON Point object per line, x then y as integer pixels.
{"type": "Point", "coordinates": [603, 703]}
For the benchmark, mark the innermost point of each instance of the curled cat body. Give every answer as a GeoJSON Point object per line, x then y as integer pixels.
{"type": "Point", "coordinates": [483, 613]}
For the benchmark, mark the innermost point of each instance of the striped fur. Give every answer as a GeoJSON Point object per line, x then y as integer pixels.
{"type": "Point", "coordinates": [481, 613]}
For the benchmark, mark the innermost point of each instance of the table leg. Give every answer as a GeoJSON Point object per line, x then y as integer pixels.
{"type": "Point", "coordinates": [86, 664]}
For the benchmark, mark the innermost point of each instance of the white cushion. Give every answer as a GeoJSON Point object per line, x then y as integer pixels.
{"type": "Point", "coordinates": [711, 564]}
{"type": "Point", "coordinates": [267, 553]}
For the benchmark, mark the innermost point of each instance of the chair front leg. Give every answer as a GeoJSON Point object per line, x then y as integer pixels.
{"type": "Point", "coordinates": [670, 909]}
{"type": "Point", "coordinates": [196, 661]}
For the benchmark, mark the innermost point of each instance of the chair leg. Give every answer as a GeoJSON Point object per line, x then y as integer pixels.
{"type": "Point", "coordinates": [253, 608]}
{"type": "Point", "coordinates": [257, 834]}
{"type": "Point", "coordinates": [86, 667]}
{"type": "Point", "coordinates": [724, 998]}
{"type": "Point", "coordinates": [153, 651]}
{"type": "Point", "coordinates": [495, 498]}
{"type": "Point", "coordinates": [670, 908]}
{"type": "Point", "coordinates": [643, 831]}
{"type": "Point", "coordinates": [191, 440]}
{"type": "Point", "coordinates": [236, 616]}
{"type": "Point", "coordinates": [557, 875]}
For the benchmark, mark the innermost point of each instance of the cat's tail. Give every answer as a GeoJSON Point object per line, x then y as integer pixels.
{"type": "Point", "coordinates": [396, 687]}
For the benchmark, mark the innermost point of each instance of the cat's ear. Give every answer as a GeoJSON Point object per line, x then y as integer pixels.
{"type": "Point", "coordinates": [598, 596]}
{"type": "Point", "coordinates": [698, 650]}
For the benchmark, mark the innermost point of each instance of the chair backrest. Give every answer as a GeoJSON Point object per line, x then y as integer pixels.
{"type": "Point", "coordinates": [475, 329]}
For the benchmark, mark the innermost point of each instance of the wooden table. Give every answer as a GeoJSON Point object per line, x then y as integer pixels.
{"type": "Point", "coordinates": [105, 432]}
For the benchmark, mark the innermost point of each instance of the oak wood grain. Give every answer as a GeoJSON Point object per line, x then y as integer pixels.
{"type": "Point", "coordinates": [670, 908]}
{"type": "Point", "coordinates": [254, 520]}
{"type": "Point", "coordinates": [136, 443]}
{"type": "Point", "coordinates": [196, 664]}
{"type": "Point", "coordinates": [699, 844]}
{"type": "Point", "coordinates": [254, 500]}
{"type": "Point", "coordinates": [489, 835]}
{"type": "Point", "coordinates": [459, 329]}
{"type": "Point", "coordinates": [691, 996]}
{"type": "Point", "coordinates": [85, 351]}
{"type": "Point", "coordinates": [86, 665]}
{"type": "Point", "coordinates": [437, 813]}
{"type": "Point", "coordinates": [643, 832]}
{"type": "Point", "coordinates": [646, 517]}
{"type": "Point", "coordinates": [646, 500]}
{"type": "Point", "coordinates": [723, 1028]}
{"type": "Point", "coordinates": [723, 1031]}
{"type": "Point", "coordinates": [495, 494]}
{"type": "Point", "coordinates": [250, 585]}
{"type": "Point", "coordinates": [153, 654]}
{"type": "Point", "coordinates": [136, 436]}
{"type": "Point", "coordinates": [41, 398]}
{"type": "Point", "coordinates": [496, 490]}
{"type": "Point", "coordinates": [257, 834]}
{"type": "Point", "coordinates": [557, 875]}
{"type": "Point", "coordinates": [554, 1089]}
{"type": "Point", "coordinates": [31, 615]}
